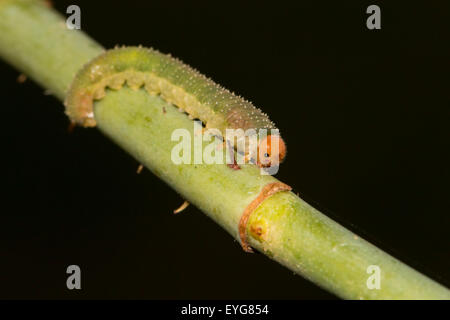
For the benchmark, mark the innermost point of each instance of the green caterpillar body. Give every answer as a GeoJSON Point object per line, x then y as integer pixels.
{"type": "Point", "coordinates": [162, 75]}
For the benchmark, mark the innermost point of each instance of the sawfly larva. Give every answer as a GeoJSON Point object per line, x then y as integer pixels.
{"type": "Point", "coordinates": [176, 83]}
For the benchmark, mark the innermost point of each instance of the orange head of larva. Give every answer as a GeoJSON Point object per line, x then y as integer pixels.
{"type": "Point", "coordinates": [271, 151]}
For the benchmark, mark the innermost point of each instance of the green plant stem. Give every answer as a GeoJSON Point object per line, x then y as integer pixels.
{"type": "Point", "coordinates": [35, 38]}
{"type": "Point", "coordinates": [284, 227]}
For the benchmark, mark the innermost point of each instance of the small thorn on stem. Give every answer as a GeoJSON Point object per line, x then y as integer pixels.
{"type": "Point", "coordinates": [71, 127]}
{"type": "Point", "coordinates": [21, 78]}
{"type": "Point", "coordinates": [182, 207]}
{"type": "Point", "coordinates": [48, 3]}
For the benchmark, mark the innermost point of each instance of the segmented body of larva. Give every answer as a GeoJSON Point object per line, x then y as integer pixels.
{"type": "Point", "coordinates": [176, 83]}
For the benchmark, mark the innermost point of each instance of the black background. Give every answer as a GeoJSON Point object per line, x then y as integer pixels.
{"type": "Point", "coordinates": [365, 115]}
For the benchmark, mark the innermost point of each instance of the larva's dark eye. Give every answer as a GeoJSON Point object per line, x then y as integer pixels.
{"type": "Point", "coordinates": [266, 155]}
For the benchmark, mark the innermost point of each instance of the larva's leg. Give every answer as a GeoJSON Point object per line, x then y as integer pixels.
{"type": "Point", "coordinates": [222, 145]}
{"type": "Point", "coordinates": [21, 78]}
{"type": "Point", "coordinates": [202, 132]}
{"type": "Point", "coordinates": [247, 158]}
{"type": "Point", "coordinates": [140, 168]}
{"type": "Point", "coordinates": [233, 165]}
